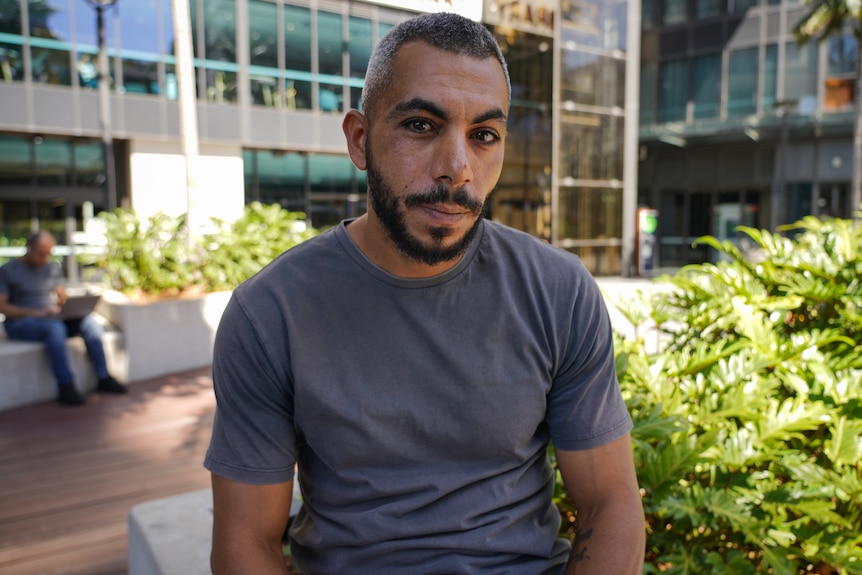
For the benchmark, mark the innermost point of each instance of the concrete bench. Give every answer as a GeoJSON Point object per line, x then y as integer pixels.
{"type": "Point", "coordinates": [174, 535]}
{"type": "Point", "coordinates": [25, 373]}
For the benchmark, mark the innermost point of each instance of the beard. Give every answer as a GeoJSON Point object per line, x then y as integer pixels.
{"type": "Point", "coordinates": [389, 210]}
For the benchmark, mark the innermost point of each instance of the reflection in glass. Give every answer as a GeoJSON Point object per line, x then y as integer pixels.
{"type": "Point", "coordinates": [11, 63]}
{"type": "Point", "coordinates": [263, 34]}
{"type": "Point", "coordinates": [673, 78]}
{"type": "Point", "coordinates": [88, 73]}
{"type": "Point", "coordinates": [590, 214]}
{"type": "Point", "coordinates": [590, 147]}
{"type": "Point", "coordinates": [281, 179]}
{"type": "Point", "coordinates": [329, 43]}
{"type": "Point", "coordinates": [841, 53]}
{"type": "Point", "coordinates": [800, 73]}
{"type": "Point", "coordinates": [297, 95]}
{"type": "Point", "coordinates": [15, 160]}
{"type": "Point", "coordinates": [221, 86]}
{"type": "Point", "coordinates": [220, 30]}
{"type": "Point", "coordinates": [263, 53]}
{"type": "Point", "coordinates": [297, 38]}
{"type": "Point", "coordinates": [172, 89]}
{"type": "Point", "coordinates": [51, 66]}
{"type": "Point", "coordinates": [50, 19]}
{"type": "Point", "coordinates": [706, 85]}
{"type": "Point", "coordinates": [168, 27]}
{"type": "Point", "coordinates": [53, 162]}
{"type": "Point", "coordinates": [648, 80]}
{"type": "Point", "coordinates": [595, 23]}
{"type": "Point", "coordinates": [89, 164]}
{"type": "Point", "coordinates": [592, 80]}
{"type": "Point", "coordinates": [330, 97]}
{"type": "Point", "coordinates": [359, 46]}
{"type": "Point", "coordinates": [770, 77]}
{"type": "Point", "coordinates": [139, 25]}
{"type": "Point", "coordinates": [675, 12]}
{"type": "Point", "coordinates": [140, 77]}
{"type": "Point", "coordinates": [742, 82]}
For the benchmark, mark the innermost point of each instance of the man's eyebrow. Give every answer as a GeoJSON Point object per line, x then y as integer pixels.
{"type": "Point", "coordinates": [421, 104]}
{"type": "Point", "coordinates": [495, 114]}
{"type": "Point", "coordinates": [417, 104]}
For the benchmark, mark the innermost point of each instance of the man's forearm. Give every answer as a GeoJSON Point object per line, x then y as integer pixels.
{"type": "Point", "coordinates": [16, 312]}
{"type": "Point", "coordinates": [257, 559]}
{"type": "Point", "coordinates": [610, 542]}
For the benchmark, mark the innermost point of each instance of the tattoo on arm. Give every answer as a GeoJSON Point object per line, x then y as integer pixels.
{"type": "Point", "coordinates": [582, 538]}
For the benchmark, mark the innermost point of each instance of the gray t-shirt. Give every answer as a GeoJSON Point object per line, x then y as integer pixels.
{"type": "Point", "coordinates": [418, 410]}
{"type": "Point", "coordinates": [31, 287]}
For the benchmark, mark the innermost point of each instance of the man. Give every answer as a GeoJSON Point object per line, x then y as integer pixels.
{"type": "Point", "coordinates": [31, 296]}
{"type": "Point", "coordinates": [415, 362]}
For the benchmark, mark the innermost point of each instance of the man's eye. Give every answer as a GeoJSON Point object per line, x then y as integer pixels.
{"type": "Point", "coordinates": [486, 136]}
{"type": "Point", "coordinates": [419, 125]}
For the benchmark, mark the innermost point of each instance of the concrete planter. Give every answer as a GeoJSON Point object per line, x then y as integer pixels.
{"type": "Point", "coordinates": [164, 336]}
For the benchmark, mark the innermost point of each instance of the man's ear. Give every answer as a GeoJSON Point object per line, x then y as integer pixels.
{"type": "Point", "coordinates": [355, 126]}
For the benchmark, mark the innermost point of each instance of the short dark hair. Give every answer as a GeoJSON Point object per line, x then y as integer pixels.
{"type": "Point", "coordinates": [446, 31]}
{"type": "Point", "coordinates": [36, 237]}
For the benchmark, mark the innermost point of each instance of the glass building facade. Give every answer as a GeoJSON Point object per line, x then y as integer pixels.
{"type": "Point", "coordinates": [272, 81]}
{"type": "Point", "coordinates": [739, 125]}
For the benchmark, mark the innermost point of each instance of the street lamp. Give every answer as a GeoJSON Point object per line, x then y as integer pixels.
{"type": "Point", "coordinates": [104, 87]}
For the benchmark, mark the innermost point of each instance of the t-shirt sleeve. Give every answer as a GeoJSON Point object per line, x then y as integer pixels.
{"type": "Point", "coordinates": [585, 405]}
{"type": "Point", "coordinates": [253, 439]}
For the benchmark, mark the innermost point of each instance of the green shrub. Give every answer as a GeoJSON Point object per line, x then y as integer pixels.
{"type": "Point", "coordinates": [748, 424]}
{"type": "Point", "coordinates": [152, 257]}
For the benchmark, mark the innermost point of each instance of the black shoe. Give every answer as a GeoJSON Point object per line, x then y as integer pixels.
{"type": "Point", "coordinates": [111, 385]}
{"type": "Point", "coordinates": [69, 395]}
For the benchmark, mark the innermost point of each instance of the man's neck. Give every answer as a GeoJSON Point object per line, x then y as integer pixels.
{"type": "Point", "coordinates": [371, 239]}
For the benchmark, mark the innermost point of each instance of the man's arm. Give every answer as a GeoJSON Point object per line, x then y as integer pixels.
{"type": "Point", "coordinates": [610, 532]}
{"type": "Point", "coordinates": [14, 311]}
{"type": "Point", "coordinates": [248, 523]}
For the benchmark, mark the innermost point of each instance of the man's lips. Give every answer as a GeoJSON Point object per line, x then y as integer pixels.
{"type": "Point", "coordinates": [444, 213]}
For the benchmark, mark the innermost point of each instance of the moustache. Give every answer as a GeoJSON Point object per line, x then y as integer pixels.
{"type": "Point", "coordinates": [444, 195]}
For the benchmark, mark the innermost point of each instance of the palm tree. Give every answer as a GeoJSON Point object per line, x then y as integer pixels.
{"type": "Point", "coordinates": [826, 18]}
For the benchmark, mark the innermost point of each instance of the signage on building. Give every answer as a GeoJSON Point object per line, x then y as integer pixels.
{"type": "Point", "coordinates": [534, 16]}
{"type": "Point", "coordinates": [471, 9]}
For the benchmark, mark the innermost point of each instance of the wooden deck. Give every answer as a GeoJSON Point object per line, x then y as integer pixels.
{"type": "Point", "coordinates": [70, 475]}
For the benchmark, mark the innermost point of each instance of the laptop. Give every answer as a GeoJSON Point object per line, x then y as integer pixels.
{"type": "Point", "coordinates": [77, 306]}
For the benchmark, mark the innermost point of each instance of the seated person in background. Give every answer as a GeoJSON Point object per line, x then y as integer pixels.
{"type": "Point", "coordinates": [31, 296]}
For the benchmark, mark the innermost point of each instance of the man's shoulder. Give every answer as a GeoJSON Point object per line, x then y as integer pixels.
{"type": "Point", "coordinates": [300, 260]}
{"type": "Point", "coordinates": [528, 247]}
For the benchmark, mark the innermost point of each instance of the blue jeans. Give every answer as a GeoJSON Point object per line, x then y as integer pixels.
{"type": "Point", "coordinates": [53, 333]}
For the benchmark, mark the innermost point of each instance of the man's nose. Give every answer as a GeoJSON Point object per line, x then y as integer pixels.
{"type": "Point", "coordinates": [453, 161]}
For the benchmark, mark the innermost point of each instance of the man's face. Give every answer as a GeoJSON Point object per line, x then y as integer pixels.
{"type": "Point", "coordinates": [434, 150]}
{"type": "Point", "coordinates": [39, 252]}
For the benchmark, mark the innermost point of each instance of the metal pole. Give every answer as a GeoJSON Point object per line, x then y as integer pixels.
{"type": "Point", "coordinates": [776, 212]}
{"type": "Point", "coordinates": [104, 88]}
{"type": "Point", "coordinates": [630, 138]}
{"type": "Point", "coordinates": [187, 104]}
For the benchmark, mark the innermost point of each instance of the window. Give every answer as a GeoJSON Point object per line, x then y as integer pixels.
{"type": "Point", "coordinates": [360, 52]}
{"type": "Point", "coordinates": [800, 75]}
{"type": "Point", "coordinates": [840, 72]}
{"type": "Point", "coordinates": [673, 78]}
{"type": "Point", "coordinates": [841, 53]}
{"type": "Point", "coordinates": [648, 14]}
{"type": "Point", "coordinates": [329, 42]}
{"type": "Point", "coordinates": [707, 8]}
{"type": "Point", "coordinates": [706, 86]}
{"type": "Point", "coordinates": [263, 53]}
{"type": "Point", "coordinates": [648, 78]}
{"type": "Point", "coordinates": [742, 82]}
{"type": "Point", "coordinates": [770, 77]}
{"type": "Point", "coordinates": [675, 12]}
